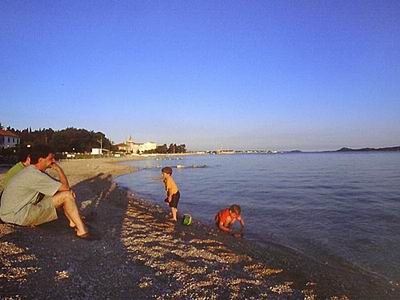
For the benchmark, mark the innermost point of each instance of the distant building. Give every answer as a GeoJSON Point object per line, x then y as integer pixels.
{"type": "Point", "coordinates": [131, 147]}
{"type": "Point", "coordinates": [8, 139]}
{"type": "Point", "coordinates": [97, 151]}
{"type": "Point", "coordinates": [225, 151]}
{"type": "Point", "coordinates": [147, 146]}
{"type": "Point", "coordinates": [121, 147]}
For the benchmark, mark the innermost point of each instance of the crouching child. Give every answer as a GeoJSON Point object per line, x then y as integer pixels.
{"type": "Point", "coordinates": [226, 217]}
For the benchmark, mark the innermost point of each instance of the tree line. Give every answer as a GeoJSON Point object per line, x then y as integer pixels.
{"type": "Point", "coordinates": [65, 140]}
{"type": "Point", "coordinates": [77, 140]}
{"type": "Point", "coordinates": [163, 149]}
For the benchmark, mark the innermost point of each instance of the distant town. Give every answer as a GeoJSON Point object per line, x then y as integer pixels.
{"type": "Point", "coordinates": [77, 143]}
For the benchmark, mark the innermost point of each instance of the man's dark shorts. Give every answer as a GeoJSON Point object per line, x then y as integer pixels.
{"type": "Point", "coordinates": [175, 200]}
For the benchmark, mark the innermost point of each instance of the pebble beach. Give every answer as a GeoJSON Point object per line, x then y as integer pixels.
{"type": "Point", "coordinates": [141, 255]}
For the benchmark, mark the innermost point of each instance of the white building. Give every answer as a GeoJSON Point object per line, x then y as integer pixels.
{"type": "Point", "coordinates": [97, 151]}
{"type": "Point", "coordinates": [131, 147]}
{"type": "Point", "coordinates": [8, 139]}
{"type": "Point", "coordinates": [147, 146]}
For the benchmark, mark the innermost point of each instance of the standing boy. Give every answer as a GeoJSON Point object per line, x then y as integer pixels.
{"type": "Point", "coordinates": [226, 217]}
{"type": "Point", "coordinates": [172, 191]}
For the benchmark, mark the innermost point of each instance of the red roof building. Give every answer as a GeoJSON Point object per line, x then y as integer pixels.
{"type": "Point", "coordinates": [8, 139]}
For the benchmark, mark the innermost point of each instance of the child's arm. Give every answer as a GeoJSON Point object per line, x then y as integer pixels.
{"type": "Point", "coordinates": [239, 233]}
{"type": "Point", "coordinates": [167, 191]}
{"type": "Point", "coordinates": [169, 196]}
{"type": "Point", "coordinates": [223, 228]}
{"type": "Point", "coordinates": [241, 224]}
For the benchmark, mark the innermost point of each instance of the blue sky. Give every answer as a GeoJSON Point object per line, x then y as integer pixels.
{"type": "Point", "coordinates": [280, 75]}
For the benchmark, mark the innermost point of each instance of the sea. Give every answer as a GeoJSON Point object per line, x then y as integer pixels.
{"type": "Point", "coordinates": [327, 206]}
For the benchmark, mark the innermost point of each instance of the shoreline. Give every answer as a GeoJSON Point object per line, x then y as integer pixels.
{"type": "Point", "coordinates": [158, 259]}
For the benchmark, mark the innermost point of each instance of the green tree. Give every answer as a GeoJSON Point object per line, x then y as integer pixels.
{"type": "Point", "coordinates": [162, 149]}
{"type": "Point", "coordinates": [181, 148]}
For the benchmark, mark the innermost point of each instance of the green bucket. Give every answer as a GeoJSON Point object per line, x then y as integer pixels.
{"type": "Point", "coordinates": [187, 219]}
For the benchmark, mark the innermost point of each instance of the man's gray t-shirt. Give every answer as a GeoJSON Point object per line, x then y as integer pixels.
{"type": "Point", "coordinates": [23, 191]}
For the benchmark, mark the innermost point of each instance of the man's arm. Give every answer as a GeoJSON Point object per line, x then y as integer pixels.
{"type": "Point", "coordinates": [61, 176]}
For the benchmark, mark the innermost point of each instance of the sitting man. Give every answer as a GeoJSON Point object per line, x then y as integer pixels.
{"type": "Point", "coordinates": [32, 196]}
{"type": "Point", "coordinates": [225, 218]}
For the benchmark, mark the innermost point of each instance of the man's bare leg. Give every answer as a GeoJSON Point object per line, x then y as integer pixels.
{"type": "Point", "coordinates": [67, 201]}
{"type": "Point", "coordinates": [71, 223]}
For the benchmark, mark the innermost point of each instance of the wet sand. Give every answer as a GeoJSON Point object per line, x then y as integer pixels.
{"type": "Point", "coordinates": [141, 255]}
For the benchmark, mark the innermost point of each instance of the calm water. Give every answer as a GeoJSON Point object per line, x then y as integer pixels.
{"type": "Point", "coordinates": [327, 206]}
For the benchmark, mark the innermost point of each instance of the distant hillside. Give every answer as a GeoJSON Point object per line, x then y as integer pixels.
{"type": "Point", "coordinates": [344, 149]}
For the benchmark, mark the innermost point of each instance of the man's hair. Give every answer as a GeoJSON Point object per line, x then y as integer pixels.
{"type": "Point", "coordinates": [40, 151]}
{"type": "Point", "coordinates": [235, 208]}
{"type": "Point", "coordinates": [24, 153]}
{"type": "Point", "coordinates": [167, 170]}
